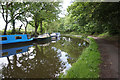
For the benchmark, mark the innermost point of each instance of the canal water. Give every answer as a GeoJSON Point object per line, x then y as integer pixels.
{"type": "Point", "coordinates": [40, 60]}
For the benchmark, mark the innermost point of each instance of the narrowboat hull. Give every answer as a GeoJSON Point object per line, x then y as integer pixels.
{"type": "Point", "coordinates": [14, 42]}
{"type": "Point", "coordinates": [9, 39]}
{"type": "Point", "coordinates": [44, 38]}
{"type": "Point", "coordinates": [18, 44]}
{"type": "Point", "coordinates": [10, 45]}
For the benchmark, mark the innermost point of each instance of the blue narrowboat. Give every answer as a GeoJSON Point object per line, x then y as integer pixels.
{"type": "Point", "coordinates": [7, 39]}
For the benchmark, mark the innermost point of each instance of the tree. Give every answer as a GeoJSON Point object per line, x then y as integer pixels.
{"type": "Point", "coordinates": [5, 12]}
{"type": "Point", "coordinates": [11, 12]}
{"type": "Point", "coordinates": [24, 20]}
{"type": "Point", "coordinates": [43, 11]}
{"type": "Point", "coordinates": [18, 10]}
{"type": "Point", "coordinates": [93, 17]}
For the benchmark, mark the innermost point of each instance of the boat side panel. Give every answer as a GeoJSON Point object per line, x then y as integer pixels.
{"type": "Point", "coordinates": [12, 39]}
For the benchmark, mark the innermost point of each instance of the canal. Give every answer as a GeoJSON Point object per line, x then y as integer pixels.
{"type": "Point", "coordinates": [40, 60]}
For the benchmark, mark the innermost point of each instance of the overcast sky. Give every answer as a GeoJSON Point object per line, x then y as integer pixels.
{"type": "Point", "coordinates": [65, 4]}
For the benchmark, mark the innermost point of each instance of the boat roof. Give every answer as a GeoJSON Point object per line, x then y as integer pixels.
{"type": "Point", "coordinates": [13, 35]}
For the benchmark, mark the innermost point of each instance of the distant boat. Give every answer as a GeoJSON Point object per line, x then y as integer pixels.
{"type": "Point", "coordinates": [13, 51]}
{"type": "Point", "coordinates": [58, 34]}
{"type": "Point", "coordinates": [43, 37]}
{"type": "Point", "coordinates": [7, 39]}
{"type": "Point", "coordinates": [54, 36]}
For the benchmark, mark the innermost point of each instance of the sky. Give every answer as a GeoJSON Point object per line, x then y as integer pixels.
{"type": "Point", "coordinates": [65, 4]}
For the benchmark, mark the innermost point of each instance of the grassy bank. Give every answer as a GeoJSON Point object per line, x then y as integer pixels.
{"type": "Point", "coordinates": [87, 66]}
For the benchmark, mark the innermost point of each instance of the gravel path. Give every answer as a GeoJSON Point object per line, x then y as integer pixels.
{"type": "Point", "coordinates": [109, 56]}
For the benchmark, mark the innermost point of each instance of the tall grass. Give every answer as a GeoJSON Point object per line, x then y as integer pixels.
{"type": "Point", "coordinates": [87, 66]}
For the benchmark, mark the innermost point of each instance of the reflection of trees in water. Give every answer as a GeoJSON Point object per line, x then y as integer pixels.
{"type": "Point", "coordinates": [44, 64]}
{"type": "Point", "coordinates": [71, 46]}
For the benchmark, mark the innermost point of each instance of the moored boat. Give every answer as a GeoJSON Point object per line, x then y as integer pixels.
{"type": "Point", "coordinates": [7, 39]}
{"type": "Point", "coordinates": [58, 34]}
{"type": "Point", "coordinates": [43, 37]}
{"type": "Point", "coordinates": [55, 35]}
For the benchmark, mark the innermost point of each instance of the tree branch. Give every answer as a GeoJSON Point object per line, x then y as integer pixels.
{"type": "Point", "coordinates": [3, 13]}
{"type": "Point", "coordinates": [15, 16]}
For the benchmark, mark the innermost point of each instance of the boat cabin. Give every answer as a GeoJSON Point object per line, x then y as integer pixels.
{"type": "Point", "coordinates": [5, 39]}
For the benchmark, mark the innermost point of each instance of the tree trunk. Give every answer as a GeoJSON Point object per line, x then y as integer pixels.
{"type": "Point", "coordinates": [5, 28]}
{"type": "Point", "coordinates": [25, 29]}
{"type": "Point", "coordinates": [6, 20]}
{"type": "Point", "coordinates": [20, 28]}
{"type": "Point", "coordinates": [36, 27]}
{"type": "Point", "coordinates": [26, 26]}
{"type": "Point", "coordinates": [41, 26]}
{"type": "Point", "coordinates": [13, 23]}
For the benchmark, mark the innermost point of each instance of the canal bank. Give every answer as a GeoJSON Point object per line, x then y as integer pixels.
{"type": "Point", "coordinates": [87, 66]}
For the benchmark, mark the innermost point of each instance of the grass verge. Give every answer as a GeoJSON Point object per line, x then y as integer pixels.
{"type": "Point", "coordinates": [104, 35]}
{"type": "Point", "coordinates": [109, 37]}
{"type": "Point", "coordinates": [87, 66]}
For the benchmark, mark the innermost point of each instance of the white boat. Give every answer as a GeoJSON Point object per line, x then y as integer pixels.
{"type": "Point", "coordinates": [55, 35]}
{"type": "Point", "coordinates": [42, 37]}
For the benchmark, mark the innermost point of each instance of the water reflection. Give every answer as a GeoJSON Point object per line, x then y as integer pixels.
{"type": "Point", "coordinates": [37, 60]}
{"type": "Point", "coordinates": [13, 51]}
{"type": "Point", "coordinates": [63, 58]}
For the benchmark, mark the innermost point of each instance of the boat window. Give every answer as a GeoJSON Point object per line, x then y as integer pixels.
{"type": "Point", "coordinates": [20, 50]}
{"type": "Point", "coordinates": [18, 37]}
{"type": "Point", "coordinates": [3, 38]}
{"type": "Point", "coordinates": [4, 53]}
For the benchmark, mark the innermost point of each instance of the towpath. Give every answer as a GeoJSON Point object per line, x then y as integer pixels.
{"type": "Point", "coordinates": [109, 56]}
